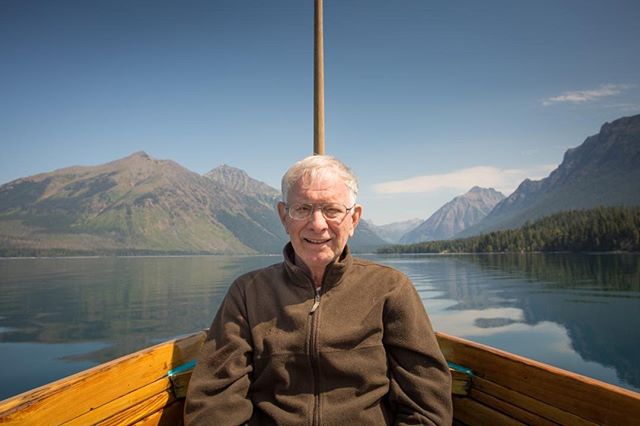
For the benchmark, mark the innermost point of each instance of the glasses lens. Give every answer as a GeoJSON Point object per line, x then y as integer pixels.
{"type": "Point", "coordinates": [334, 211]}
{"type": "Point", "coordinates": [300, 211]}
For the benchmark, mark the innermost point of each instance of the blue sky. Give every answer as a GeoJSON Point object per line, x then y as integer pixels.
{"type": "Point", "coordinates": [424, 99]}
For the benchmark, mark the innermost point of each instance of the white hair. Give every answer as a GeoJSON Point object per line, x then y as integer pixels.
{"type": "Point", "coordinates": [310, 168]}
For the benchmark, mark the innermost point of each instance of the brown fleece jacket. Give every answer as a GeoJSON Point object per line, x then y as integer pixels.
{"type": "Point", "coordinates": [362, 351]}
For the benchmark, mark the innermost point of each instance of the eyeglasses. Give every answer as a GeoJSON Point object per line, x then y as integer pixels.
{"type": "Point", "coordinates": [331, 211]}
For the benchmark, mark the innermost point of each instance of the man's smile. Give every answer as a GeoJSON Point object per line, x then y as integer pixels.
{"type": "Point", "coordinates": [315, 241]}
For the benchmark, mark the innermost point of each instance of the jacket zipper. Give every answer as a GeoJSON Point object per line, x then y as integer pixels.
{"type": "Point", "coordinates": [316, 302]}
{"type": "Point", "coordinates": [313, 354]}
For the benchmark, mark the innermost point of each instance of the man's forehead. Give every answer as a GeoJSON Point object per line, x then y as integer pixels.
{"type": "Point", "coordinates": [326, 184]}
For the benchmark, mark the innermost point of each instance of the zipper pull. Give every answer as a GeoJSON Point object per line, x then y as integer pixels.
{"type": "Point", "coordinates": [316, 302]}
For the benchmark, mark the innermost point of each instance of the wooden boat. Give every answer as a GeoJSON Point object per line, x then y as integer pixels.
{"type": "Point", "coordinates": [491, 387]}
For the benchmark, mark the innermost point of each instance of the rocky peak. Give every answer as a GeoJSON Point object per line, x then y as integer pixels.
{"type": "Point", "coordinates": [484, 195]}
{"type": "Point", "coordinates": [230, 176]}
{"type": "Point", "coordinates": [239, 180]}
{"type": "Point", "coordinates": [458, 214]}
{"type": "Point", "coordinates": [140, 154]}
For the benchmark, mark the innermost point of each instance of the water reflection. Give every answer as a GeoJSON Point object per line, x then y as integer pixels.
{"type": "Point", "coordinates": [110, 306]}
{"type": "Point", "coordinates": [574, 311]}
{"type": "Point", "coordinates": [578, 312]}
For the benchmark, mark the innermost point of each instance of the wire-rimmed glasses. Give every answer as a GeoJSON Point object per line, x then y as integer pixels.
{"type": "Point", "coordinates": [333, 212]}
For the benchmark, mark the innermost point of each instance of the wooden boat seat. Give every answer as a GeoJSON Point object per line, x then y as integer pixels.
{"type": "Point", "coordinates": [493, 388]}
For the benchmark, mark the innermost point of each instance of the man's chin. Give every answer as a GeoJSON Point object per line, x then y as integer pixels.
{"type": "Point", "coordinates": [318, 254]}
{"type": "Point", "coordinates": [317, 260]}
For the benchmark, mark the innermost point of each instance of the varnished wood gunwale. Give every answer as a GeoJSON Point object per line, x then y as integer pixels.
{"type": "Point", "coordinates": [467, 411]}
{"type": "Point", "coordinates": [505, 389]}
{"type": "Point", "coordinates": [510, 401]}
{"type": "Point", "coordinates": [515, 411]}
{"type": "Point", "coordinates": [157, 390]}
{"type": "Point", "coordinates": [555, 394]}
{"type": "Point", "coordinates": [75, 396]}
{"type": "Point", "coordinates": [170, 415]}
{"type": "Point", "coordinates": [139, 411]}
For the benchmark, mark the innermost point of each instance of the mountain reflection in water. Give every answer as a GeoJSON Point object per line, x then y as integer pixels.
{"type": "Point", "coordinates": [61, 315]}
{"type": "Point", "coordinates": [574, 311]}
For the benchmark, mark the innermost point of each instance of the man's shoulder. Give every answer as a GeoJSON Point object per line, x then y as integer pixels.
{"type": "Point", "coordinates": [367, 267]}
{"type": "Point", "coordinates": [260, 274]}
{"type": "Point", "coordinates": [369, 264]}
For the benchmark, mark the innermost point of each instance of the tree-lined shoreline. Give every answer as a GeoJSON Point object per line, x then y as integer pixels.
{"type": "Point", "coordinates": [602, 229]}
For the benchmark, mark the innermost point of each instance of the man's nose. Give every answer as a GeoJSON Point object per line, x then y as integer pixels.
{"type": "Point", "coordinates": [317, 218]}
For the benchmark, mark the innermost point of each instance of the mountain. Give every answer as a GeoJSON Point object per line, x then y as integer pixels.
{"type": "Point", "coordinates": [238, 180]}
{"type": "Point", "coordinates": [133, 205]}
{"type": "Point", "coordinates": [603, 171]}
{"type": "Point", "coordinates": [141, 205]}
{"type": "Point", "coordinates": [458, 214]}
{"type": "Point", "coordinates": [392, 232]}
{"type": "Point", "coordinates": [255, 222]}
{"type": "Point", "coordinates": [365, 239]}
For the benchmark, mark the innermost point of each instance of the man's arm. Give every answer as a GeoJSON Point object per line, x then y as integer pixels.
{"type": "Point", "coordinates": [219, 387]}
{"type": "Point", "coordinates": [420, 380]}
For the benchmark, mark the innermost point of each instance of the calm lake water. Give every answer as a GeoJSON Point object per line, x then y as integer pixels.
{"type": "Point", "coordinates": [62, 315]}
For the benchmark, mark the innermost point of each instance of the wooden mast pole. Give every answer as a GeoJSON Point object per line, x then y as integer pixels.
{"type": "Point", "coordinates": [318, 92]}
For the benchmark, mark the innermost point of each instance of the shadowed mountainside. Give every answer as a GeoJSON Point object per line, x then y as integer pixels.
{"type": "Point", "coordinates": [458, 214]}
{"type": "Point", "coordinates": [603, 171]}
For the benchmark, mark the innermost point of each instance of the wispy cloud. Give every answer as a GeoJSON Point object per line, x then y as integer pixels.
{"type": "Point", "coordinates": [503, 180]}
{"type": "Point", "coordinates": [582, 96]}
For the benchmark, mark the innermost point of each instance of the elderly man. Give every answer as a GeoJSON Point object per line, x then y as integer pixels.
{"type": "Point", "coordinates": [321, 338]}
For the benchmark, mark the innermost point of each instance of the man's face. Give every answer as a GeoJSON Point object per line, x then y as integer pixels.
{"type": "Point", "coordinates": [316, 241]}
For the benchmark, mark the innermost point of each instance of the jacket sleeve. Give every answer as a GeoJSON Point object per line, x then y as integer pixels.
{"type": "Point", "coordinates": [420, 388]}
{"type": "Point", "coordinates": [219, 387]}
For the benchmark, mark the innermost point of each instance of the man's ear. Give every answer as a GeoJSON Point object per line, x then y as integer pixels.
{"type": "Point", "coordinates": [355, 218]}
{"type": "Point", "coordinates": [282, 212]}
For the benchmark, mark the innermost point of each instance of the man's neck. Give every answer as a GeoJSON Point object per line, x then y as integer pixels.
{"type": "Point", "coordinates": [316, 276]}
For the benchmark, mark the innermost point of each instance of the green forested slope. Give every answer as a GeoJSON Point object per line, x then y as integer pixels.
{"type": "Point", "coordinates": [599, 229]}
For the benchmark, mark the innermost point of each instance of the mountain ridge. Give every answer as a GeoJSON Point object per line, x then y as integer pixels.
{"type": "Point", "coordinates": [456, 215]}
{"type": "Point", "coordinates": [602, 171]}
{"type": "Point", "coordinates": [139, 204]}
{"type": "Point", "coordinates": [136, 203]}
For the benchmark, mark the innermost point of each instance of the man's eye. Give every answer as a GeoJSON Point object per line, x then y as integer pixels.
{"type": "Point", "coordinates": [302, 209]}
{"type": "Point", "coordinates": [332, 211]}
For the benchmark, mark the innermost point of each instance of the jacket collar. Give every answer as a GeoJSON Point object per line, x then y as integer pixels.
{"type": "Point", "coordinates": [333, 274]}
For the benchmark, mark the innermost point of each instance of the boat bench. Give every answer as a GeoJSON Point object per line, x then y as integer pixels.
{"type": "Point", "coordinates": [493, 388]}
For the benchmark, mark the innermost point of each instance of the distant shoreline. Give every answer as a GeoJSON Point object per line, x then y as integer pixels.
{"type": "Point", "coordinates": [141, 256]}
